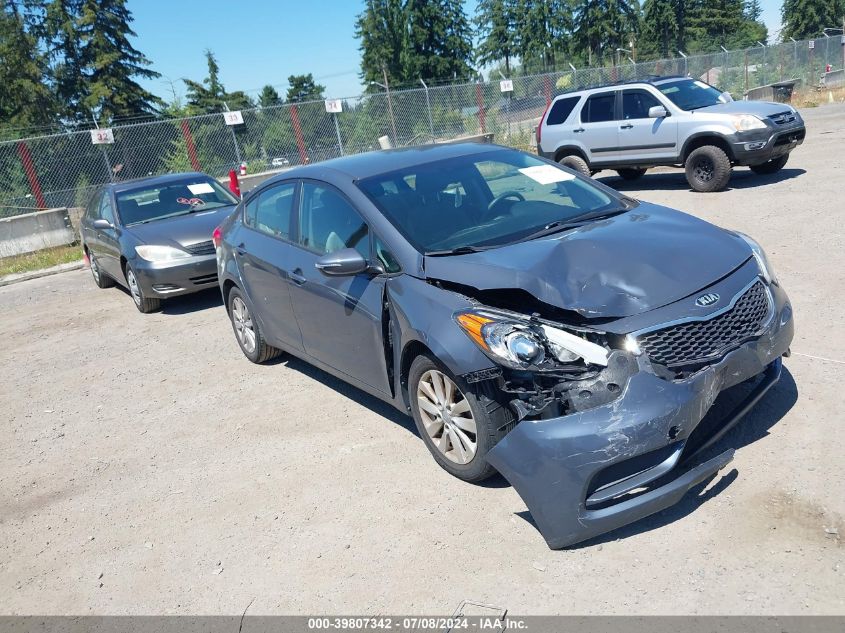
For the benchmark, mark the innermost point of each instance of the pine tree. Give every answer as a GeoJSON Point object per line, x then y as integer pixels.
{"type": "Point", "coordinates": [206, 96]}
{"type": "Point", "coordinates": [381, 28]}
{"type": "Point", "coordinates": [542, 26]}
{"type": "Point", "coordinates": [805, 19]}
{"type": "Point", "coordinates": [719, 23]}
{"type": "Point", "coordinates": [659, 29]}
{"type": "Point", "coordinates": [495, 28]}
{"type": "Point", "coordinates": [602, 26]}
{"type": "Point", "coordinates": [439, 43]}
{"type": "Point", "coordinates": [110, 63]}
{"type": "Point", "coordinates": [304, 88]}
{"type": "Point", "coordinates": [269, 97]}
{"type": "Point", "coordinates": [64, 51]}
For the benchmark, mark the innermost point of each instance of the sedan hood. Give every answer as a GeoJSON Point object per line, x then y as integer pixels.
{"type": "Point", "coordinates": [182, 230]}
{"type": "Point", "coordinates": [625, 265]}
{"type": "Point", "coordinates": [761, 109]}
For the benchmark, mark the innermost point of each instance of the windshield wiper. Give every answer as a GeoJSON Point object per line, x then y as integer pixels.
{"type": "Point", "coordinates": [460, 250]}
{"type": "Point", "coordinates": [574, 223]}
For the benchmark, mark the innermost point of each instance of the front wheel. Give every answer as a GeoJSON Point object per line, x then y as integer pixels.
{"type": "Point", "coordinates": [458, 427]}
{"type": "Point", "coordinates": [770, 167]}
{"type": "Point", "coordinates": [143, 304]}
{"type": "Point", "coordinates": [100, 278]}
{"type": "Point", "coordinates": [708, 169]}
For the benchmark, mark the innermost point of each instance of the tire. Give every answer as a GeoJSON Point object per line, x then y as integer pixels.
{"type": "Point", "coordinates": [577, 163]}
{"type": "Point", "coordinates": [490, 419]}
{"type": "Point", "coordinates": [708, 169]}
{"type": "Point", "coordinates": [100, 278]}
{"type": "Point", "coordinates": [141, 302]}
{"type": "Point", "coordinates": [247, 333]}
{"type": "Point", "coordinates": [770, 167]}
{"type": "Point", "coordinates": [631, 173]}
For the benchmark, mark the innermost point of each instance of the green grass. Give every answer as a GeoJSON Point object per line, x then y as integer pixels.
{"type": "Point", "coordinates": [40, 259]}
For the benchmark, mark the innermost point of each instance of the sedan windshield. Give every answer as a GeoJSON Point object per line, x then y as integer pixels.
{"type": "Point", "coordinates": [172, 198]}
{"type": "Point", "coordinates": [483, 200]}
{"type": "Point", "coordinates": [688, 94]}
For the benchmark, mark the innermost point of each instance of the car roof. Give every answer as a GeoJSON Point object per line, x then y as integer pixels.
{"type": "Point", "coordinates": [360, 166]}
{"type": "Point", "coordinates": [654, 80]}
{"type": "Point", "coordinates": [153, 181]}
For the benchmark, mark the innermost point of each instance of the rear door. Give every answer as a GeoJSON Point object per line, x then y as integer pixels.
{"type": "Point", "coordinates": [599, 126]}
{"type": "Point", "coordinates": [642, 138]}
{"type": "Point", "coordinates": [340, 317]}
{"type": "Point", "coordinates": [263, 255]}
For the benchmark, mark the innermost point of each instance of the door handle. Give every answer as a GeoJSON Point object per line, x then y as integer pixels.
{"type": "Point", "coordinates": [578, 130]}
{"type": "Point", "coordinates": [627, 126]}
{"type": "Point", "coordinates": [241, 249]}
{"type": "Point", "coordinates": [297, 277]}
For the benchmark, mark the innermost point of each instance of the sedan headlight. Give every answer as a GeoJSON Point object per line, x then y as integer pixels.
{"type": "Point", "coordinates": [766, 270]}
{"type": "Point", "coordinates": [748, 122]}
{"type": "Point", "coordinates": [155, 253]}
{"type": "Point", "coordinates": [519, 345]}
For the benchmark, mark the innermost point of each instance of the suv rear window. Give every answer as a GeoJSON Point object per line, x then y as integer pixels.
{"type": "Point", "coordinates": [599, 108]}
{"type": "Point", "coordinates": [561, 109]}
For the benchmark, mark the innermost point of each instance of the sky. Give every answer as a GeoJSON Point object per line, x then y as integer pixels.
{"type": "Point", "coordinates": [259, 42]}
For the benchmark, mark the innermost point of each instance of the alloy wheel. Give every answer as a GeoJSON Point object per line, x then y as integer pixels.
{"type": "Point", "coordinates": [242, 320]}
{"type": "Point", "coordinates": [447, 417]}
{"type": "Point", "coordinates": [704, 169]}
{"type": "Point", "coordinates": [134, 289]}
{"type": "Point", "coordinates": [95, 268]}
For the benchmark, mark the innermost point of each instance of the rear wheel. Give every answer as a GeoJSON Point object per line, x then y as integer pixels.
{"type": "Point", "coordinates": [247, 332]}
{"type": "Point", "coordinates": [577, 163]}
{"type": "Point", "coordinates": [631, 173]}
{"type": "Point", "coordinates": [772, 166]}
{"type": "Point", "coordinates": [143, 304]}
{"type": "Point", "coordinates": [100, 278]}
{"type": "Point", "coordinates": [708, 169]}
{"type": "Point", "coordinates": [458, 426]}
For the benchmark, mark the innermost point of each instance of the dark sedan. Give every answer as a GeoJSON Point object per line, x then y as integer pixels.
{"type": "Point", "coordinates": [532, 321]}
{"type": "Point", "coordinates": [153, 235]}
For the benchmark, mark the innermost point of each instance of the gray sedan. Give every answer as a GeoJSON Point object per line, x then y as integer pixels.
{"type": "Point", "coordinates": [532, 321]}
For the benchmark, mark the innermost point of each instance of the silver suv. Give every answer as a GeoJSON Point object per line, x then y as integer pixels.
{"type": "Point", "coordinates": [673, 121]}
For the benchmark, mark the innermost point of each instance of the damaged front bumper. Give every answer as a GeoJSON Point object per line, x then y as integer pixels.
{"type": "Point", "coordinates": [592, 471]}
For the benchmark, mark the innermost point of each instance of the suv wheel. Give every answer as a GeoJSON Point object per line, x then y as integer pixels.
{"type": "Point", "coordinates": [141, 302]}
{"type": "Point", "coordinates": [577, 163]}
{"type": "Point", "coordinates": [249, 336]}
{"type": "Point", "coordinates": [631, 173]}
{"type": "Point", "coordinates": [458, 427]}
{"type": "Point", "coordinates": [708, 169]}
{"type": "Point", "coordinates": [774, 165]}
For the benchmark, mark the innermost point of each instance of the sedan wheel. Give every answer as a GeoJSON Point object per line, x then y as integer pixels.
{"type": "Point", "coordinates": [447, 417]}
{"type": "Point", "coordinates": [243, 325]}
{"type": "Point", "coordinates": [247, 331]}
{"type": "Point", "coordinates": [141, 302]}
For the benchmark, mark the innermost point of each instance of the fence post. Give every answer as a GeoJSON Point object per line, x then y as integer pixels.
{"type": "Point", "coordinates": [428, 105]}
{"type": "Point", "coordinates": [297, 131]}
{"type": "Point", "coordinates": [479, 99]}
{"type": "Point", "coordinates": [189, 143]}
{"type": "Point", "coordinates": [547, 87]}
{"type": "Point", "coordinates": [31, 175]}
{"type": "Point", "coordinates": [746, 70]}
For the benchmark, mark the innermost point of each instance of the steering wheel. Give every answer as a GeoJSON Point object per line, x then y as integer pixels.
{"type": "Point", "coordinates": [504, 196]}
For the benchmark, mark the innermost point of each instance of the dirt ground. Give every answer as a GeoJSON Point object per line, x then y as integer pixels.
{"type": "Point", "coordinates": [146, 467]}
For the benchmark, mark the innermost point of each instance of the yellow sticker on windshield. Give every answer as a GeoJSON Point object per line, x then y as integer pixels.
{"type": "Point", "coordinates": [546, 174]}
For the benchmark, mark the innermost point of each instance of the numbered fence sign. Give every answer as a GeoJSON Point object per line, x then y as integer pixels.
{"type": "Point", "coordinates": [102, 137]}
{"type": "Point", "coordinates": [233, 118]}
{"type": "Point", "coordinates": [506, 85]}
{"type": "Point", "coordinates": [812, 44]}
{"type": "Point", "coordinates": [334, 105]}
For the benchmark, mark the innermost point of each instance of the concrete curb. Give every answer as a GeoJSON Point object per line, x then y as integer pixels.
{"type": "Point", "coordinates": [54, 270]}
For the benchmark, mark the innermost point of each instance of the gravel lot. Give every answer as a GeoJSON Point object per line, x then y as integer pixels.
{"type": "Point", "coordinates": [147, 467]}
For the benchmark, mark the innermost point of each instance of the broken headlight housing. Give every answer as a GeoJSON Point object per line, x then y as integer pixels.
{"type": "Point", "coordinates": [766, 270]}
{"type": "Point", "coordinates": [520, 344]}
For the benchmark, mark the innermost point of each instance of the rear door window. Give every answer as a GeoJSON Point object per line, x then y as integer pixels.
{"type": "Point", "coordinates": [599, 108]}
{"type": "Point", "coordinates": [561, 109]}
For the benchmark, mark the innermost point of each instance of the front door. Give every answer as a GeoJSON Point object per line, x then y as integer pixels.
{"type": "Point", "coordinates": [641, 137]}
{"type": "Point", "coordinates": [599, 127]}
{"type": "Point", "coordinates": [108, 246]}
{"type": "Point", "coordinates": [262, 250]}
{"type": "Point", "coordinates": [340, 317]}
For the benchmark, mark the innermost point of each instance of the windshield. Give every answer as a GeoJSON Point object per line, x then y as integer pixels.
{"type": "Point", "coordinates": [482, 200]}
{"type": "Point", "coordinates": [688, 94]}
{"type": "Point", "coordinates": [175, 197]}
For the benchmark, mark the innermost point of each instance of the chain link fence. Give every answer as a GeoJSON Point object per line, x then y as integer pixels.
{"type": "Point", "coordinates": [63, 169]}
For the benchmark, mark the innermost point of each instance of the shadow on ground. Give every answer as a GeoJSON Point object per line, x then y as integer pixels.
{"type": "Point", "coordinates": [677, 181]}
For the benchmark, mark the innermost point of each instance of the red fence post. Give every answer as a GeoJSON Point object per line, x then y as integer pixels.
{"type": "Point", "coordinates": [192, 149]}
{"type": "Point", "coordinates": [547, 86]}
{"type": "Point", "coordinates": [479, 99]}
{"type": "Point", "coordinates": [31, 175]}
{"type": "Point", "coordinates": [297, 131]}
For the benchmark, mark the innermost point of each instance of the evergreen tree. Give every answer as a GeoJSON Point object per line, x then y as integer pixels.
{"type": "Point", "coordinates": [602, 26]}
{"type": "Point", "coordinates": [111, 64]}
{"type": "Point", "coordinates": [660, 29]}
{"type": "Point", "coordinates": [64, 50]}
{"type": "Point", "coordinates": [542, 25]}
{"type": "Point", "coordinates": [720, 23]}
{"type": "Point", "coordinates": [381, 28]}
{"type": "Point", "coordinates": [269, 97]}
{"type": "Point", "coordinates": [206, 96]}
{"type": "Point", "coordinates": [304, 88]}
{"type": "Point", "coordinates": [805, 19]}
{"type": "Point", "coordinates": [495, 26]}
{"type": "Point", "coordinates": [439, 41]}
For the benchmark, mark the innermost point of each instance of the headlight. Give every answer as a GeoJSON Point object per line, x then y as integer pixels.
{"type": "Point", "coordinates": [154, 253]}
{"type": "Point", "coordinates": [747, 122]}
{"type": "Point", "coordinates": [518, 345]}
{"type": "Point", "coordinates": [763, 264]}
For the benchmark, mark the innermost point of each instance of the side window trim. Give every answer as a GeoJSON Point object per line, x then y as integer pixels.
{"type": "Point", "coordinates": [586, 108]}
{"type": "Point", "coordinates": [254, 197]}
{"type": "Point", "coordinates": [297, 228]}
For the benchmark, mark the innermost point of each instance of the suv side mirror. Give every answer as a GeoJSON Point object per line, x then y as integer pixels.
{"type": "Point", "coordinates": [343, 263]}
{"type": "Point", "coordinates": [102, 225]}
{"type": "Point", "coordinates": [657, 112]}
{"type": "Point", "coordinates": [726, 97]}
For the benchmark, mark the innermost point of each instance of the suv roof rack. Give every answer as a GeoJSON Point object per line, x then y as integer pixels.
{"type": "Point", "coordinates": [649, 79]}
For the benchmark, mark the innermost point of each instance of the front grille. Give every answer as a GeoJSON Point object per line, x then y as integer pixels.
{"type": "Point", "coordinates": [204, 279]}
{"type": "Point", "coordinates": [695, 341]}
{"type": "Point", "coordinates": [782, 118]}
{"type": "Point", "coordinates": [201, 248]}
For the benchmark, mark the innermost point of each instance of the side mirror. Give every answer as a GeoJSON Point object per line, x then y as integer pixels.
{"type": "Point", "coordinates": [657, 112]}
{"type": "Point", "coordinates": [343, 263]}
{"type": "Point", "coordinates": [726, 97]}
{"type": "Point", "coordinates": [102, 225]}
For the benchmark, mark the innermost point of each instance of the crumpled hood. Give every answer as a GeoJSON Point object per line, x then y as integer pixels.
{"type": "Point", "coordinates": [625, 265]}
{"type": "Point", "coordinates": [182, 230]}
{"type": "Point", "coordinates": [761, 109]}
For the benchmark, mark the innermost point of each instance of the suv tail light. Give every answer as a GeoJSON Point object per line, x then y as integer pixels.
{"type": "Point", "coordinates": [217, 237]}
{"type": "Point", "coordinates": [539, 133]}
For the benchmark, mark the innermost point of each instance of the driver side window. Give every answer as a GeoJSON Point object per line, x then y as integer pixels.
{"type": "Point", "coordinates": [328, 223]}
{"type": "Point", "coordinates": [106, 211]}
